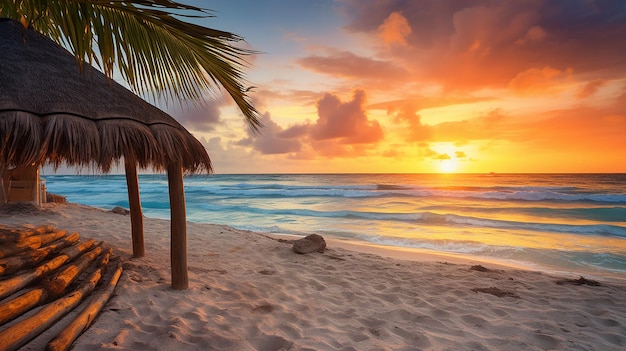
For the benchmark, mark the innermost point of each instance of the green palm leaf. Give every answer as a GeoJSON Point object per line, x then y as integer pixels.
{"type": "Point", "coordinates": [155, 51]}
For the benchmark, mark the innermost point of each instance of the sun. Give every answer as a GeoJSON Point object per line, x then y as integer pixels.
{"type": "Point", "coordinates": [447, 166]}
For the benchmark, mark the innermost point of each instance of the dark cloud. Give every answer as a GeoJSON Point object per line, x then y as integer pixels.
{"type": "Point", "coordinates": [467, 44]}
{"type": "Point", "coordinates": [295, 131]}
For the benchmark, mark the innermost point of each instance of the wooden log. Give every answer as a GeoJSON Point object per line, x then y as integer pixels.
{"type": "Point", "coordinates": [134, 202]}
{"type": "Point", "coordinates": [14, 264]}
{"type": "Point", "coordinates": [87, 316]}
{"type": "Point", "coordinates": [11, 235]}
{"type": "Point", "coordinates": [13, 308]}
{"type": "Point", "coordinates": [15, 234]}
{"type": "Point", "coordinates": [12, 285]}
{"type": "Point", "coordinates": [29, 243]}
{"type": "Point", "coordinates": [56, 284]}
{"type": "Point", "coordinates": [178, 231]}
{"type": "Point", "coordinates": [14, 248]}
{"type": "Point", "coordinates": [52, 236]}
{"type": "Point", "coordinates": [25, 330]}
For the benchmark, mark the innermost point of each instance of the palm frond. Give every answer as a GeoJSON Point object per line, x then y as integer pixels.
{"type": "Point", "coordinates": [155, 51]}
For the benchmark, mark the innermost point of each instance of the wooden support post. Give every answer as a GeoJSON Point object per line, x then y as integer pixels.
{"type": "Point", "coordinates": [136, 216]}
{"type": "Point", "coordinates": [178, 240]}
{"type": "Point", "coordinates": [3, 187]}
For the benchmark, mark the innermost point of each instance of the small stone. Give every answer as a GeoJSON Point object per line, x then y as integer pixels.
{"type": "Point", "coordinates": [50, 197]}
{"type": "Point", "coordinates": [120, 210]}
{"type": "Point", "coordinates": [309, 244]}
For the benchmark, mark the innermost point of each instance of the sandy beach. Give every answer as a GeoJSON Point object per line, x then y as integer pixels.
{"type": "Point", "coordinates": [250, 291]}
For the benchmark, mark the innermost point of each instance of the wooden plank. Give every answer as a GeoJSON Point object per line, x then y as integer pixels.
{"type": "Point", "coordinates": [87, 316]}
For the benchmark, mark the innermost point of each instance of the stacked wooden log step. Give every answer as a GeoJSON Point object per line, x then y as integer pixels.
{"type": "Point", "coordinates": [45, 273]}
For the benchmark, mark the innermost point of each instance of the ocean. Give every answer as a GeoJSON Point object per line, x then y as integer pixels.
{"type": "Point", "coordinates": [562, 223]}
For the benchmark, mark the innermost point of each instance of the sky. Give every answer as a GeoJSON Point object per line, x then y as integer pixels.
{"type": "Point", "coordinates": [391, 86]}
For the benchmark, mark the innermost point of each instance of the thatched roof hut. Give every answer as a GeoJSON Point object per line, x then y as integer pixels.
{"type": "Point", "coordinates": [50, 112]}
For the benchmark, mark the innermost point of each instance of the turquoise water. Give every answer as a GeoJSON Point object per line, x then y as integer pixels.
{"type": "Point", "coordinates": [565, 223]}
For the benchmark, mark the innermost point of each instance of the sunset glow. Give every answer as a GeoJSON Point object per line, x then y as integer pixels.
{"type": "Point", "coordinates": [447, 166]}
{"type": "Point", "coordinates": [379, 86]}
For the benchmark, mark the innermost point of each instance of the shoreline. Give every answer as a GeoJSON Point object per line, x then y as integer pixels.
{"type": "Point", "coordinates": [248, 291]}
{"type": "Point", "coordinates": [410, 253]}
{"type": "Point", "coordinates": [429, 255]}
{"type": "Point", "coordinates": [462, 218]}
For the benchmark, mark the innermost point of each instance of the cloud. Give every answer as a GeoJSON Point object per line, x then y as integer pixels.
{"type": "Point", "coordinates": [591, 88]}
{"type": "Point", "coordinates": [534, 34]}
{"type": "Point", "coordinates": [395, 29]}
{"type": "Point", "coordinates": [491, 125]}
{"type": "Point", "coordinates": [295, 131]}
{"type": "Point", "coordinates": [346, 122]}
{"type": "Point", "coordinates": [539, 81]}
{"type": "Point", "coordinates": [203, 116]}
{"type": "Point", "coordinates": [348, 64]}
{"type": "Point", "coordinates": [600, 130]}
{"type": "Point", "coordinates": [415, 102]}
{"type": "Point", "coordinates": [416, 131]}
{"type": "Point", "coordinates": [342, 129]}
{"type": "Point", "coordinates": [475, 44]}
{"type": "Point", "coordinates": [227, 157]}
{"type": "Point", "coordinates": [273, 138]}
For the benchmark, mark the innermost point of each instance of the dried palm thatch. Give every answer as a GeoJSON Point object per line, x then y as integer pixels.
{"type": "Point", "coordinates": [52, 112]}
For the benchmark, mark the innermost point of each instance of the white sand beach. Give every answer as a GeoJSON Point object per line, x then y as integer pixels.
{"type": "Point", "coordinates": [249, 291]}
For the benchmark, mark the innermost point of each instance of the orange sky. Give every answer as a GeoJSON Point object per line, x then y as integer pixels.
{"type": "Point", "coordinates": [424, 86]}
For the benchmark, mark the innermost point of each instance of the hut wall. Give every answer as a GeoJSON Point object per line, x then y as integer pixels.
{"type": "Point", "coordinates": [23, 185]}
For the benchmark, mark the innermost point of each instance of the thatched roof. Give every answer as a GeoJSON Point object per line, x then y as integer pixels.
{"type": "Point", "coordinates": [50, 111]}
